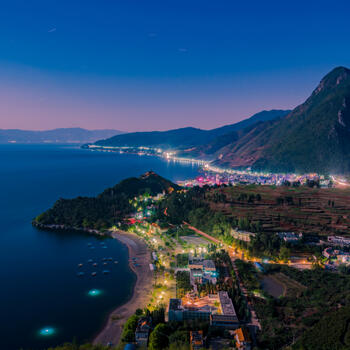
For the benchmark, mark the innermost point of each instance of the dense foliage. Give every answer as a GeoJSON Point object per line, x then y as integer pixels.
{"type": "Point", "coordinates": [291, 316]}
{"type": "Point", "coordinates": [108, 208]}
{"type": "Point", "coordinates": [183, 283]}
{"type": "Point", "coordinates": [192, 207]}
{"type": "Point", "coordinates": [128, 334]}
{"type": "Point", "coordinates": [332, 332]}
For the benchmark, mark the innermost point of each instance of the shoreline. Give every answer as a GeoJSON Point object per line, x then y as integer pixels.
{"type": "Point", "coordinates": [112, 329]}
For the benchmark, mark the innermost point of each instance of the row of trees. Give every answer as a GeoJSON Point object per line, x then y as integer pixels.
{"type": "Point", "coordinates": [183, 283]}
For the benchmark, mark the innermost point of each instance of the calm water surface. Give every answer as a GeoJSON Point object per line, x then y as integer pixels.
{"type": "Point", "coordinates": [38, 270]}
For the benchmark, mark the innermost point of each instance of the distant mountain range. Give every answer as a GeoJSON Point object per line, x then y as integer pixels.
{"type": "Point", "coordinates": [64, 135]}
{"type": "Point", "coordinates": [314, 137]}
{"type": "Point", "coordinates": [186, 137]}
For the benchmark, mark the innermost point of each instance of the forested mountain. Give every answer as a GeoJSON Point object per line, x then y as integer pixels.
{"type": "Point", "coordinates": [107, 208]}
{"type": "Point", "coordinates": [315, 136]}
{"type": "Point", "coordinates": [63, 135]}
{"type": "Point", "coordinates": [186, 137]}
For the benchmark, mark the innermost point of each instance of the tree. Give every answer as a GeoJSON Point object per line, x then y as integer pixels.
{"type": "Point", "coordinates": [179, 338]}
{"type": "Point", "coordinates": [128, 336]}
{"type": "Point", "coordinates": [158, 339]}
{"type": "Point", "coordinates": [138, 312]}
{"type": "Point", "coordinates": [158, 315]}
{"type": "Point", "coordinates": [284, 254]}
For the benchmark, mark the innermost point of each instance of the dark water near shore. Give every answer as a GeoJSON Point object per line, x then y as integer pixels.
{"type": "Point", "coordinates": [39, 285]}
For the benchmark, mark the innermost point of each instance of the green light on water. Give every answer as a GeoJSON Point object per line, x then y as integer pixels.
{"type": "Point", "coordinates": [47, 331]}
{"type": "Point", "coordinates": [94, 292]}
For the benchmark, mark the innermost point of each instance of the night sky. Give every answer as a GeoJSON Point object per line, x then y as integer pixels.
{"type": "Point", "coordinates": [161, 64]}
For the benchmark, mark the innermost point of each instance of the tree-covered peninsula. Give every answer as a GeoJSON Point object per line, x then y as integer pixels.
{"type": "Point", "coordinates": [108, 208]}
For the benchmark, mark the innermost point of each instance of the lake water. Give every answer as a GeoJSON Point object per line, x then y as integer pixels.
{"type": "Point", "coordinates": [40, 289]}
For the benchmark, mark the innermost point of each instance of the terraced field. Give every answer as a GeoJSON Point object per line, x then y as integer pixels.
{"type": "Point", "coordinates": [302, 209]}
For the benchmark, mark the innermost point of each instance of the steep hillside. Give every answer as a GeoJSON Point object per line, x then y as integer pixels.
{"type": "Point", "coordinates": [186, 137]}
{"type": "Point", "coordinates": [315, 136]}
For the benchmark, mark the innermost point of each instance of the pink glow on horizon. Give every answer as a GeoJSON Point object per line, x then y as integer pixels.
{"type": "Point", "coordinates": [35, 101]}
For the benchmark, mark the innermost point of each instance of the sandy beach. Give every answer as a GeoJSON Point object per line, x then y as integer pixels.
{"type": "Point", "coordinates": [137, 248]}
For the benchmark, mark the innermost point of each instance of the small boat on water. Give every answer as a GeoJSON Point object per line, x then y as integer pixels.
{"type": "Point", "coordinates": [93, 274]}
{"type": "Point", "coordinates": [104, 263]}
{"type": "Point", "coordinates": [110, 259]}
{"type": "Point", "coordinates": [104, 259]}
{"type": "Point", "coordinates": [90, 261]}
{"type": "Point", "coordinates": [116, 262]}
{"type": "Point", "coordinates": [94, 264]}
{"type": "Point", "coordinates": [105, 272]}
{"type": "Point", "coordinates": [80, 265]}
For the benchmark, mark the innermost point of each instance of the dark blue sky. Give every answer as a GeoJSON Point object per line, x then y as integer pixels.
{"type": "Point", "coordinates": [143, 65]}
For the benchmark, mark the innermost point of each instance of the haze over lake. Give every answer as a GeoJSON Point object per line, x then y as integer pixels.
{"type": "Point", "coordinates": [40, 288]}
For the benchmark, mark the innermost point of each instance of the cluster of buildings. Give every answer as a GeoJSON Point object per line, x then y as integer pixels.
{"type": "Point", "coordinates": [141, 151]}
{"type": "Point", "coordinates": [241, 235]}
{"type": "Point", "coordinates": [246, 236]}
{"type": "Point", "coordinates": [202, 271]}
{"type": "Point", "coordinates": [339, 240]}
{"type": "Point", "coordinates": [216, 176]}
{"type": "Point", "coordinates": [336, 257]}
{"type": "Point", "coordinates": [217, 309]}
{"type": "Point", "coordinates": [290, 237]}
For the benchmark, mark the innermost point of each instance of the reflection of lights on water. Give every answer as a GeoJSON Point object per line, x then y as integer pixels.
{"type": "Point", "coordinates": [47, 331]}
{"type": "Point", "coordinates": [94, 292]}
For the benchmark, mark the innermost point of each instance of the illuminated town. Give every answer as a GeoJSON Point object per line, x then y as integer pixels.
{"type": "Point", "coordinates": [214, 175]}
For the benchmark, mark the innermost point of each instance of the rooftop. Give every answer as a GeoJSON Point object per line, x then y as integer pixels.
{"type": "Point", "coordinates": [143, 325]}
{"type": "Point", "coordinates": [209, 264]}
{"type": "Point", "coordinates": [242, 335]}
{"type": "Point", "coordinates": [226, 304]}
{"type": "Point", "coordinates": [174, 304]}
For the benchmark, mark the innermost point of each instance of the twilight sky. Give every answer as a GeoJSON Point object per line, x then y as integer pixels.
{"type": "Point", "coordinates": [160, 64]}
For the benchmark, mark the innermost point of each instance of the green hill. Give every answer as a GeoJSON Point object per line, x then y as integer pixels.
{"type": "Point", "coordinates": [107, 208]}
